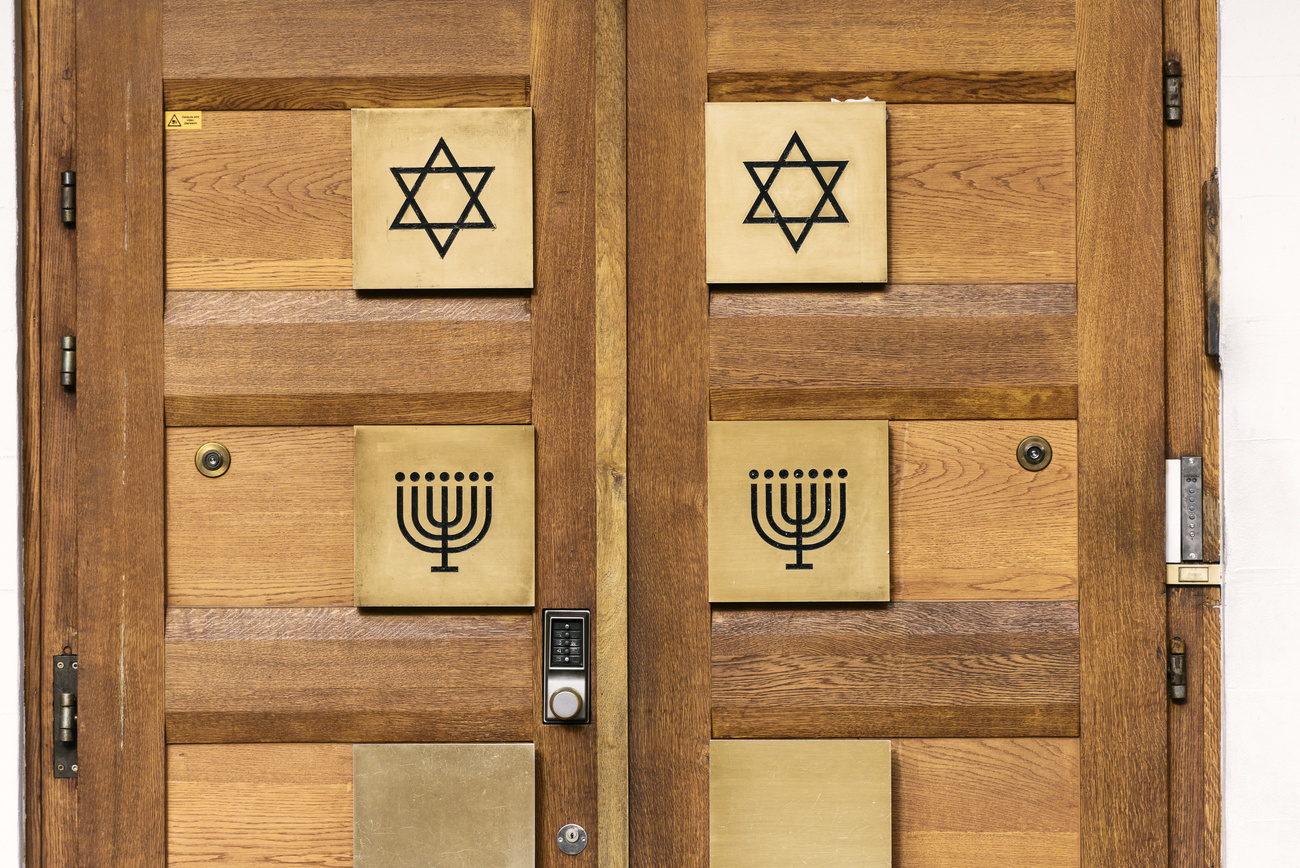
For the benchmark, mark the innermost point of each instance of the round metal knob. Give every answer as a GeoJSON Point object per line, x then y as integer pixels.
{"type": "Point", "coordinates": [566, 704]}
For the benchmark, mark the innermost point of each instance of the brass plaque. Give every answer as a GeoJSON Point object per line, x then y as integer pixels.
{"type": "Point", "coordinates": [449, 805]}
{"type": "Point", "coordinates": [798, 511]}
{"type": "Point", "coordinates": [443, 515]}
{"type": "Point", "coordinates": [442, 198]}
{"type": "Point", "coordinates": [795, 192]}
{"type": "Point", "coordinates": [790, 802]}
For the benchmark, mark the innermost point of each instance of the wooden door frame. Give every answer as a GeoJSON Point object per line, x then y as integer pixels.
{"type": "Point", "coordinates": [94, 532]}
{"type": "Point", "coordinates": [1121, 287]}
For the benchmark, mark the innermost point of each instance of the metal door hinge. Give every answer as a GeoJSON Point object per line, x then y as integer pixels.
{"type": "Point", "coordinates": [65, 715]}
{"type": "Point", "coordinates": [1173, 93]}
{"type": "Point", "coordinates": [68, 198]}
{"type": "Point", "coordinates": [68, 363]}
{"type": "Point", "coordinates": [1177, 669]}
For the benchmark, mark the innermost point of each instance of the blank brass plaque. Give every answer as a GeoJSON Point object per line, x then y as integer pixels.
{"type": "Point", "coordinates": [798, 511]}
{"type": "Point", "coordinates": [774, 804]}
{"type": "Point", "coordinates": [449, 805]}
{"type": "Point", "coordinates": [795, 192]}
{"type": "Point", "coordinates": [442, 198]}
{"type": "Point", "coordinates": [443, 515]}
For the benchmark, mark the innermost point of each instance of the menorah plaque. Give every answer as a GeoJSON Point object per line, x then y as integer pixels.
{"type": "Point", "coordinates": [795, 192]}
{"type": "Point", "coordinates": [798, 511]}
{"type": "Point", "coordinates": [443, 515]}
{"type": "Point", "coordinates": [442, 198]}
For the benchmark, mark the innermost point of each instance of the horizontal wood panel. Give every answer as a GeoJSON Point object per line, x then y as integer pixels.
{"type": "Point", "coordinates": [997, 801]}
{"type": "Point", "coordinates": [977, 194]}
{"type": "Point", "coordinates": [248, 806]}
{"type": "Point", "coordinates": [967, 522]}
{"type": "Point", "coordinates": [972, 669]}
{"type": "Point", "coordinates": [297, 38]}
{"type": "Point", "coordinates": [891, 34]}
{"type": "Point", "coordinates": [261, 200]}
{"type": "Point", "coordinates": [344, 675]}
{"type": "Point", "coordinates": [285, 358]}
{"type": "Point", "coordinates": [981, 194]}
{"type": "Point", "coordinates": [896, 88]}
{"type": "Point", "coordinates": [336, 92]}
{"type": "Point", "coordinates": [905, 351]}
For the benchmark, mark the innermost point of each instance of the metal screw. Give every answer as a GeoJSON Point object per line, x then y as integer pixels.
{"type": "Point", "coordinates": [74, 767]}
{"type": "Point", "coordinates": [59, 665]}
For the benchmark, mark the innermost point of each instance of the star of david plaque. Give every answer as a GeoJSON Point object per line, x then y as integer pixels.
{"type": "Point", "coordinates": [442, 198]}
{"type": "Point", "coordinates": [795, 193]}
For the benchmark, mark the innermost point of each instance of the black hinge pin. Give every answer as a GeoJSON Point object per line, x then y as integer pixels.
{"type": "Point", "coordinates": [1173, 93]}
{"type": "Point", "coordinates": [1177, 669]}
{"type": "Point", "coordinates": [65, 714]}
{"type": "Point", "coordinates": [68, 198]}
{"type": "Point", "coordinates": [68, 363]}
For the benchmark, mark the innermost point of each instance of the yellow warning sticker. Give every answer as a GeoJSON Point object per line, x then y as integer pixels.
{"type": "Point", "coordinates": [183, 120]}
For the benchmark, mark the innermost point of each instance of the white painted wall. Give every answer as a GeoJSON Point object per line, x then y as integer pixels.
{"type": "Point", "coordinates": [1260, 123]}
{"type": "Point", "coordinates": [1260, 177]}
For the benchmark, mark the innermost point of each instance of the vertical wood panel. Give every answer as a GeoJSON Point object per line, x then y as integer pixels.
{"type": "Point", "coordinates": [564, 385]}
{"type": "Point", "coordinates": [1194, 791]}
{"type": "Point", "coordinates": [49, 471]}
{"type": "Point", "coordinates": [1121, 434]}
{"type": "Point", "coordinates": [668, 613]}
{"type": "Point", "coordinates": [120, 430]}
{"type": "Point", "coordinates": [1191, 35]}
{"type": "Point", "coordinates": [611, 430]}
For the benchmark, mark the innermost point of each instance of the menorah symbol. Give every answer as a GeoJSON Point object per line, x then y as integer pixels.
{"type": "Point", "coordinates": [797, 527]}
{"type": "Point", "coordinates": [448, 529]}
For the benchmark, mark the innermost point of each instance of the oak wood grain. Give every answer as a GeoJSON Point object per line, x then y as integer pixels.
{"type": "Point", "coordinates": [336, 92]}
{"type": "Point", "coordinates": [49, 510]}
{"type": "Point", "coordinates": [1195, 805]}
{"type": "Point", "coordinates": [976, 194]}
{"type": "Point", "coordinates": [261, 804]}
{"type": "Point", "coordinates": [346, 675]}
{"type": "Point", "coordinates": [668, 410]}
{"type": "Point", "coordinates": [894, 87]}
{"type": "Point", "coordinates": [967, 522]}
{"type": "Point", "coordinates": [119, 494]}
{"type": "Point", "coordinates": [563, 70]}
{"type": "Point", "coordinates": [319, 38]}
{"type": "Point", "coordinates": [611, 433]}
{"type": "Point", "coordinates": [329, 357]}
{"type": "Point", "coordinates": [1123, 709]}
{"type": "Point", "coordinates": [900, 669]}
{"type": "Point", "coordinates": [904, 351]}
{"type": "Point", "coordinates": [261, 200]}
{"type": "Point", "coordinates": [226, 536]}
{"type": "Point", "coordinates": [893, 34]}
{"type": "Point", "coordinates": [1012, 801]}
{"type": "Point", "coordinates": [1192, 377]}
{"type": "Point", "coordinates": [981, 194]}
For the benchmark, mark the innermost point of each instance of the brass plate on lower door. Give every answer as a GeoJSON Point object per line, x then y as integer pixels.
{"type": "Point", "coordinates": [791, 802]}
{"type": "Point", "coordinates": [798, 511]}
{"type": "Point", "coordinates": [449, 805]}
{"type": "Point", "coordinates": [443, 515]}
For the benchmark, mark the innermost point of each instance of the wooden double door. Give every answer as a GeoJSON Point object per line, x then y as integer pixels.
{"type": "Point", "coordinates": [224, 672]}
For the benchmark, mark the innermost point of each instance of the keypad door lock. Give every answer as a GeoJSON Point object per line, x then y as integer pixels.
{"type": "Point", "coordinates": [568, 665]}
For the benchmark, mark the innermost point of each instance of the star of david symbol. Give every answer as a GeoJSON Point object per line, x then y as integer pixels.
{"type": "Point", "coordinates": [818, 168]}
{"type": "Point", "coordinates": [472, 204]}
